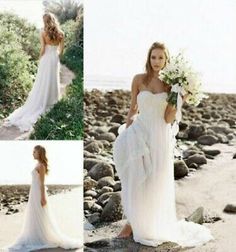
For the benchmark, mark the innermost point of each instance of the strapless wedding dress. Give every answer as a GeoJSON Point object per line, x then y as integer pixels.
{"type": "Point", "coordinates": [43, 95]}
{"type": "Point", "coordinates": [40, 230]}
{"type": "Point", "coordinates": [143, 156]}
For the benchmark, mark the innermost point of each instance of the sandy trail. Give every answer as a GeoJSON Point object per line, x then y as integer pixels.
{"type": "Point", "coordinates": [212, 187]}
{"type": "Point", "coordinates": [68, 211]}
{"type": "Point", "coordinates": [13, 133]}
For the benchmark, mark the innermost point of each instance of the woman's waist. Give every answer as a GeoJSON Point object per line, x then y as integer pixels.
{"type": "Point", "coordinates": [148, 118]}
{"type": "Point", "coordinates": [51, 49]}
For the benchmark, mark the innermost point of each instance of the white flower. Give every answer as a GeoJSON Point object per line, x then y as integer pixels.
{"type": "Point", "coordinates": [179, 70]}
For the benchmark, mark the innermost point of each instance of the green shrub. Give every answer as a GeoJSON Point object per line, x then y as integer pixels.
{"type": "Point", "coordinates": [73, 53]}
{"type": "Point", "coordinates": [65, 119]}
{"type": "Point", "coordinates": [27, 34]}
{"type": "Point", "coordinates": [16, 71]}
{"type": "Point", "coordinates": [64, 10]}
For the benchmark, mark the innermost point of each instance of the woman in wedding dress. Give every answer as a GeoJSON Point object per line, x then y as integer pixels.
{"type": "Point", "coordinates": [39, 229]}
{"type": "Point", "coordinates": [45, 90]}
{"type": "Point", "coordinates": [143, 156]}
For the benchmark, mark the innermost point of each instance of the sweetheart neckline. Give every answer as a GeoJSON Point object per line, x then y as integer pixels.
{"type": "Point", "coordinates": [160, 93]}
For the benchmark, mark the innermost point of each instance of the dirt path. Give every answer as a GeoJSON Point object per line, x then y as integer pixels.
{"type": "Point", "coordinates": [213, 187]}
{"type": "Point", "coordinates": [13, 133]}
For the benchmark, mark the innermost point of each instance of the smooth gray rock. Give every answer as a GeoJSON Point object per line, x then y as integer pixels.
{"type": "Point", "coordinates": [91, 193]}
{"type": "Point", "coordinates": [103, 199]}
{"type": "Point", "coordinates": [106, 189]}
{"type": "Point", "coordinates": [207, 140]}
{"type": "Point", "coordinates": [230, 208]}
{"type": "Point", "coordinates": [109, 136]}
{"type": "Point", "coordinates": [197, 216]}
{"type": "Point", "coordinates": [93, 218]}
{"type": "Point", "coordinates": [100, 170]}
{"type": "Point", "coordinates": [180, 169]}
{"type": "Point", "coordinates": [197, 159]}
{"type": "Point", "coordinates": [105, 181]}
{"type": "Point", "coordinates": [117, 186]}
{"type": "Point", "coordinates": [113, 210]}
{"type": "Point", "coordinates": [212, 152]}
{"type": "Point", "coordinates": [90, 162]}
{"type": "Point", "coordinates": [93, 147]}
{"type": "Point", "coordinates": [118, 118]}
{"type": "Point", "coordinates": [89, 184]}
{"type": "Point", "coordinates": [195, 131]}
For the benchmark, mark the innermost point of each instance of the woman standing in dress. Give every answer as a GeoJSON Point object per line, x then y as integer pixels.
{"type": "Point", "coordinates": [143, 155]}
{"type": "Point", "coordinates": [40, 230]}
{"type": "Point", "coordinates": [45, 91]}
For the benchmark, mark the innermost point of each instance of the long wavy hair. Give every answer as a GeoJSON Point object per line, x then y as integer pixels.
{"type": "Point", "coordinates": [52, 27]}
{"type": "Point", "coordinates": [149, 71]}
{"type": "Point", "coordinates": [42, 157]}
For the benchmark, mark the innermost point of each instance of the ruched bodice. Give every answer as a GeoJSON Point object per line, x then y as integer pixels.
{"type": "Point", "coordinates": [151, 105]}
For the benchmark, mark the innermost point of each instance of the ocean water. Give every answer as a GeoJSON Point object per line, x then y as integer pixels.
{"type": "Point", "coordinates": [109, 83]}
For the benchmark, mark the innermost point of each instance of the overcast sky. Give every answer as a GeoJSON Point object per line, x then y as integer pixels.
{"type": "Point", "coordinates": [65, 161]}
{"type": "Point", "coordinates": [119, 33]}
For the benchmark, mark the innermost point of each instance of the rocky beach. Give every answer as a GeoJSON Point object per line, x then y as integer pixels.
{"type": "Point", "coordinates": [204, 170]}
{"type": "Point", "coordinates": [13, 197]}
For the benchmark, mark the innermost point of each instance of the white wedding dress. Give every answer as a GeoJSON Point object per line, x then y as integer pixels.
{"type": "Point", "coordinates": [143, 155]}
{"type": "Point", "coordinates": [43, 95]}
{"type": "Point", "coordinates": [39, 229]}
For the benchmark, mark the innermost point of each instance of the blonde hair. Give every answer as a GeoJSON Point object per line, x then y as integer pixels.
{"type": "Point", "coordinates": [149, 71]}
{"type": "Point", "coordinates": [42, 157]}
{"type": "Point", "coordinates": [52, 27]}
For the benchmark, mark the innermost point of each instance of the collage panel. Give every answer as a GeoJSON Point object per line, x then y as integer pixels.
{"type": "Point", "coordinates": [117, 125]}
{"type": "Point", "coordinates": [41, 67]}
{"type": "Point", "coordinates": [159, 125]}
{"type": "Point", "coordinates": [41, 100]}
{"type": "Point", "coordinates": [41, 208]}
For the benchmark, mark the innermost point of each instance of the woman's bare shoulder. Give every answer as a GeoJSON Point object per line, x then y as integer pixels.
{"type": "Point", "coordinates": [138, 80]}
{"type": "Point", "coordinates": [139, 77]}
{"type": "Point", "coordinates": [40, 167]}
{"type": "Point", "coordinates": [42, 31]}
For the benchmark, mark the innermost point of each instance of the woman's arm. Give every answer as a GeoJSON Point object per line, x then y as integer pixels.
{"type": "Point", "coordinates": [133, 106]}
{"type": "Point", "coordinates": [41, 171]}
{"type": "Point", "coordinates": [61, 46]}
{"type": "Point", "coordinates": [42, 43]}
{"type": "Point", "coordinates": [170, 113]}
{"type": "Point", "coordinates": [171, 110]}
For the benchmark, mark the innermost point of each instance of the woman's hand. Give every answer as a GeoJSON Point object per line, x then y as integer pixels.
{"type": "Point", "coordinates": [43, 202]}
{"type": "Point", "coordinates": [185, 97]}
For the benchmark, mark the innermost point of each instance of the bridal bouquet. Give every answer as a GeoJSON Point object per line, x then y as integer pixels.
{"type": "Point", "coordinates": [183, 80]}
